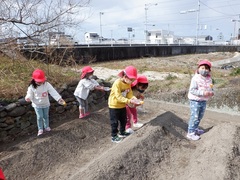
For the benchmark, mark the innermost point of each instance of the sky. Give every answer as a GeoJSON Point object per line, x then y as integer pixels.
{"type": "Point", "coordinates": [116, 16]}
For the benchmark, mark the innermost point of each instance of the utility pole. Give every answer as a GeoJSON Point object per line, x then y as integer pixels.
{"type": "Point", "coordinates": [100, 15]}
{"type": "Point", "coordinates": [197, 30]}
{"type": "Point", "coordinates": [197, 24]}
{"type": "Point", "coordinates": [146, 20]}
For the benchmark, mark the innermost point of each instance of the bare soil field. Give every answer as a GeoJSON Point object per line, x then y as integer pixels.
{"type": "Point", "coordinates": [81, 149]}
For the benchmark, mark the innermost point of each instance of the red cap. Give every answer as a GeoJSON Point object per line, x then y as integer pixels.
{"type": "Point", "coordinates": [140, 79]}
{"type": "Point", "coordinates": [130, 71]}
{"type": "Point", "coordinates": [205, 62]}
{"type": "Point", "coordinates": [85, 70]}
{"type": "Point", "coordinates": [38, 75]}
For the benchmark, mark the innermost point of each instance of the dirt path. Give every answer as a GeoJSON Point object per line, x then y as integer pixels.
{"type": "Point", "coordinates": [82, 149]}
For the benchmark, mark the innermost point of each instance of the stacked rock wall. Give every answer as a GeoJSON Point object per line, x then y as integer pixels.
{"type": "Point", "coordinates": [19, 118]}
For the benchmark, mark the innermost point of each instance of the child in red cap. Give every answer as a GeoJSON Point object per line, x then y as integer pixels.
{"type": "Point", "coordinates": [138, 88]}
{"type": "Point", "coordinates": [37, 93]}
{"type": "Point", "coordinates": [200, 91]}
{"type": "Point", "coordinates": [120, 95]}
{"type": "Point", "coordinates": [85, 85]}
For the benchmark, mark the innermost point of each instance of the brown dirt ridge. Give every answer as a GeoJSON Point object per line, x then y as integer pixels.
{"type": "Point", "coordinates": [82, 150]}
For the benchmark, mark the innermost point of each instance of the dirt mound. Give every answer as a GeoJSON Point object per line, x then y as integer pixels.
{"type": "Point", "coordinates": [160, 150]}
{"type": "Point", "coordinates": [81, 149]}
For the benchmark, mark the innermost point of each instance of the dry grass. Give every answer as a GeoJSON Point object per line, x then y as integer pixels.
{"type": "Point", "coordinates": [16, 74]}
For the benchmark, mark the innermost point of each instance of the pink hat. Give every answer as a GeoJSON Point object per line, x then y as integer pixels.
{"type": "Point", "coordinates": [205, 62]}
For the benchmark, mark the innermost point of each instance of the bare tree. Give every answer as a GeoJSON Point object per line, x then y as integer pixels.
{"type": "Point", "coordinates": [36, 18]}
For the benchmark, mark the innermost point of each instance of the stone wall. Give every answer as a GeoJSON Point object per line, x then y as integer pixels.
{"type": "Point", "coordinates": [18, 119]}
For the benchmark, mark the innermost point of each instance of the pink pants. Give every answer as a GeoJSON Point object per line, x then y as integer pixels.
{"type": "Point", "coordinates": [131, 114]}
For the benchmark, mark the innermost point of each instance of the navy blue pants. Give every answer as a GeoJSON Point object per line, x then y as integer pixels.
{"type": "Point", "coordinates": [118, 117]}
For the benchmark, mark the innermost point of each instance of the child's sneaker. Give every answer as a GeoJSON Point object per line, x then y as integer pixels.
{"type": "Point", "coordinates": [193, 136]}
{"type": "Point", "coordinates": [87, 114]}
{"type": "Point", "coordinates": [123, 134]}
{"type": "Point", "coordinates": [47, 129]}
{"type": "Point", "coordinates": [116, 139]}
{"type": "Point", "coordinates": [199, 131]}
{"type": "Point", "coordinates": [129, 130]}
{"type": "Point", "coordinates": [40, 132]}
{"type": "Point", "coordinates": [81, 116]}
{"type": "Point", "coordinates": [137, 125]}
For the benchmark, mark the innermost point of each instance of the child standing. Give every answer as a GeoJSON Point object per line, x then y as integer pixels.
{"type": "Point", "coordinates": [138, 88]}
{"type": "Point", "coordinates": [85, 85]}
{"type": "Point", "coordinates": [199, 92]}
{"type": "Point", "coordinates": [120, 95]}
{"type": "Point", "coordinates": [37, 93]}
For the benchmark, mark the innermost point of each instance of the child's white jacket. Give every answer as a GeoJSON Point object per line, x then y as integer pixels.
{"type": "Point", "coordinates": [40, 95]}
{"type": "Point", "coordinates": [199, 84]}
{"type": "Point", "coordinates": [84, 87]}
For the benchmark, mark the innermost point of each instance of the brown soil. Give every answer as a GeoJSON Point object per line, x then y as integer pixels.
{"type": "Point", "coordinates": [81, 149]}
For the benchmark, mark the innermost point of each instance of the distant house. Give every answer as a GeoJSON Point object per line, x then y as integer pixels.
{"type": "Point", "coordinates": [202, 40]}
{"type": "Point", "coordinates": [22, 42]}
{"type": "Point", "coordinates": [27, 41]}
{"type": "Point", "coordinates": [108, 41]}
{"type": "Point", "coordinates": [168, 37]}
{"type": "Point", "coordinates": [61, 39]}
{"type": "Point", "coordinates": [161, 37]}
{"type": "Point", "coordinates": [189, 40]}
{"type": "Point", "coordinates": [122, 41]}
{"type": "Point", "coordinates": [205, 40]}
{"type": "Point", "coordinates": [91, 37]}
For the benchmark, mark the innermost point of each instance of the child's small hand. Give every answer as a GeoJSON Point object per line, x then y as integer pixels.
{"type": "Point", "coordinates": [28, 99]}
{"type": "Point", "coordinates": [136, 101]}
{"type": "Point", "coordinates": [62, 102]}
{"type": "Point", "coordinates": [131, 105]}
{"type": "Point", "coordinates": [141, 96]}
{"type": "Point", "coordinates": [208, 93]}
{"type": "Point", "coordinates": [100, 88]}
{"type": "Point", "coordinates": [107, 88]}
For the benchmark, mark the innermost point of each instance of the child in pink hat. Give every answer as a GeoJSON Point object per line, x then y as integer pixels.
{"type": "Point", "coordinates": [200, 91]}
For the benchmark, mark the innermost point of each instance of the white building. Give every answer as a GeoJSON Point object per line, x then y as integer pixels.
{"type": "Point", "coordinates": [91, 38]}
{"type": "Point", "coordinates": [168, 37]}
{"type": "Point", "coordinates": [161, 37]}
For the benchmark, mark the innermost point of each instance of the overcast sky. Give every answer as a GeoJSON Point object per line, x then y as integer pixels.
{"type": "Point", "coordinates": [117, 15]}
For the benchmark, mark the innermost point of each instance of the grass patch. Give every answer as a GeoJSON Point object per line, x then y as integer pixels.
{"type": "Point", "coordinates": [16, 74]}
{"type": "Point", "coordinates": [220, 82]}
{"type": "Point", "coordinates": [235, 72]}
